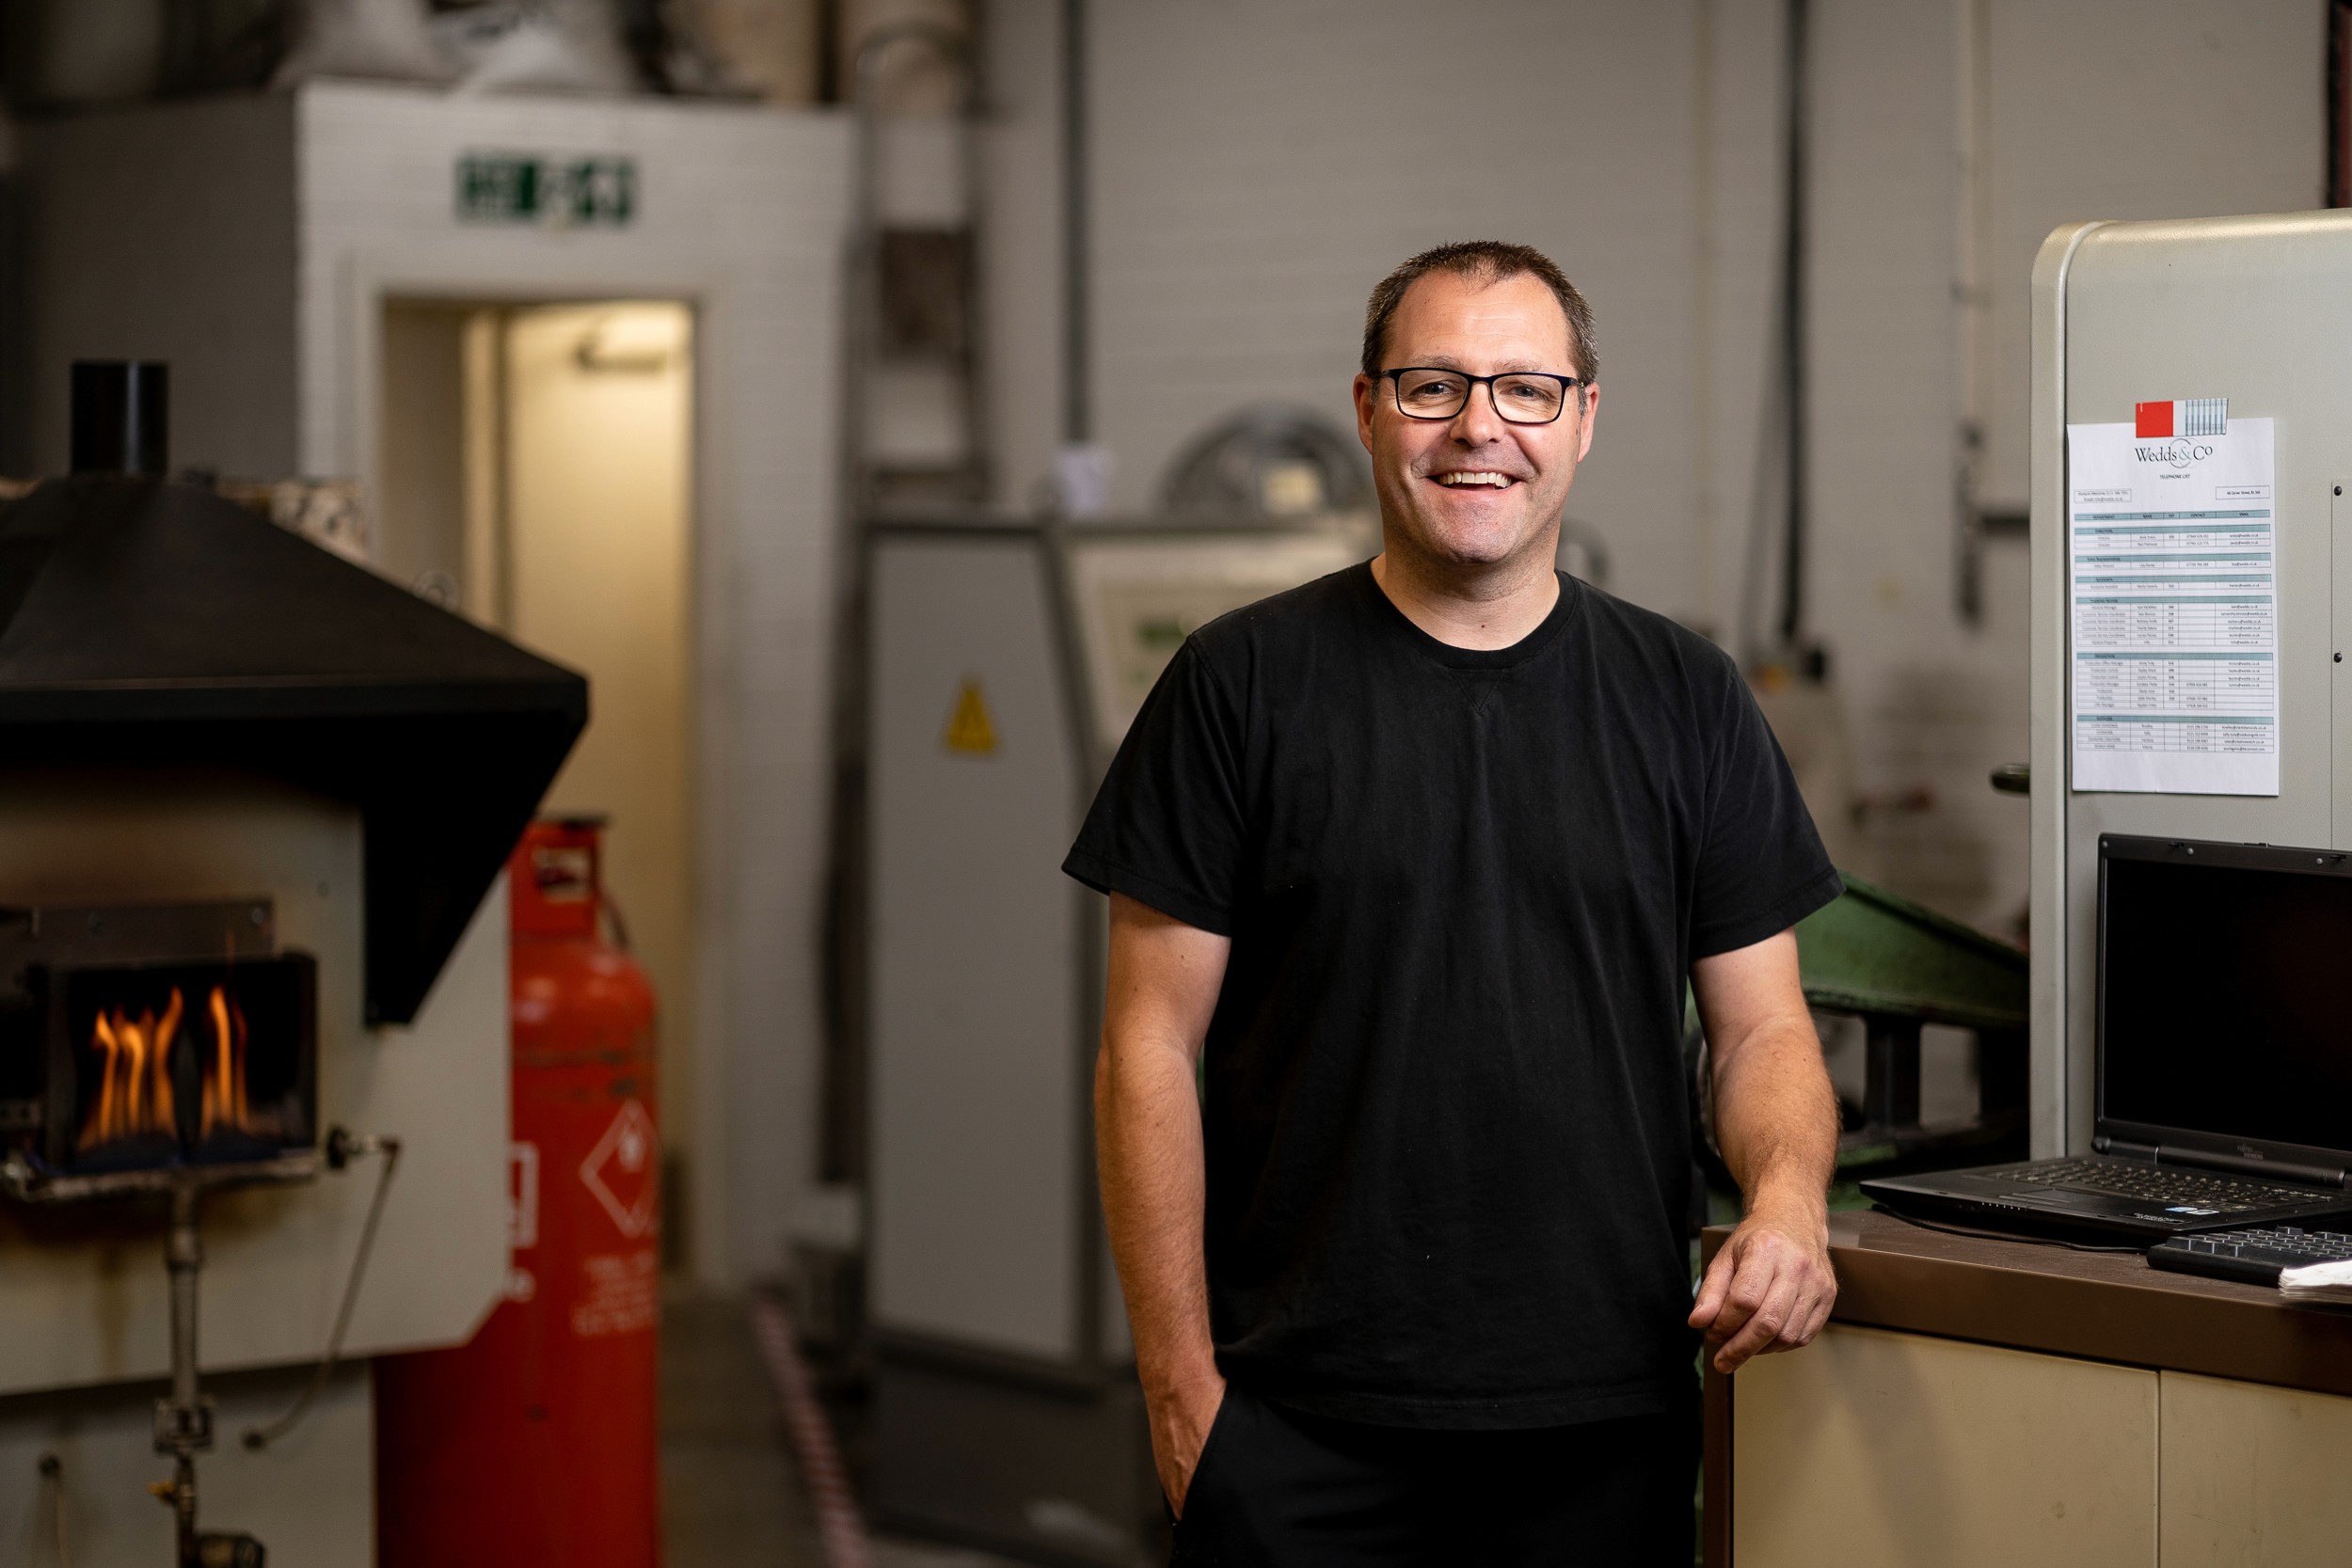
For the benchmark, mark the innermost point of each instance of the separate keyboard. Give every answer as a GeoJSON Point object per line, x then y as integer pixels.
{"type": "Point", "coordinates": [2162, 1185]}
{"type": "Point", "coordinates": [2255, 1256]}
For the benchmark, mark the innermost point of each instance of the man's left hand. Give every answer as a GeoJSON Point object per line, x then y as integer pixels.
{"type": "Point", "coordinates": [1770, 1286]}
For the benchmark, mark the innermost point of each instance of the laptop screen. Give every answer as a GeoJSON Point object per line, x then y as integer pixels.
{"type": "Point", "coordinates": [2224, 1006]}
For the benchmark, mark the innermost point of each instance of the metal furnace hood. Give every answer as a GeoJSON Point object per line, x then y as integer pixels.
{"type": "Point", "coordinates": [144, 622]}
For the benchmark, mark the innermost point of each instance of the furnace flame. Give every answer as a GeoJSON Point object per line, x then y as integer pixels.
{"type": "Point", "coordinates": [134, 1061]}
{"type": "Point", "coordinates": [134, 1075]}
{"type": "Point", "coordinates": [225, 1104]}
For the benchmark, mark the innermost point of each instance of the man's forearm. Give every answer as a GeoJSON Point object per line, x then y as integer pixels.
{"type": "Point", "coordinates": [1147, 1122]}
{"type": "Point", "coordinates": [1777, 1116]}
{"type": "Point", "coordinates": [1772, 1285]}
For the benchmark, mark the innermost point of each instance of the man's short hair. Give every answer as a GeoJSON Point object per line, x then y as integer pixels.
{"type": "Point", "coordinates": [1486, 261]}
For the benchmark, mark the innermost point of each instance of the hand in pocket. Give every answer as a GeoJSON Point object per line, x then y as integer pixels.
{"type": "Point", "coordinates": [1181, 1428]}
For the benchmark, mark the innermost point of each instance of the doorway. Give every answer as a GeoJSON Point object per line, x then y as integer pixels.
{"type": "Point", "coordinates": [535, 465]}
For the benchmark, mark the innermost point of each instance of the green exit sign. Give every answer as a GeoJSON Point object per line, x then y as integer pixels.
{"type": "Point", "coordinates": [550, 192]}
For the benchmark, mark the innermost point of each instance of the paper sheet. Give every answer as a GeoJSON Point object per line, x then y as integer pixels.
{"type": "Point", "coordinates": [2318, 1282]}
{"type": "Point", "coordinates": [2174, 623]}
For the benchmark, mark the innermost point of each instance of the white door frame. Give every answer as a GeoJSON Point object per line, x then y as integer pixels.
{"type": "Point", "coordinates": [493, 274]}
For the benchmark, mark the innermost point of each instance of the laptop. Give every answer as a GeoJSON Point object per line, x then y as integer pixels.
{"type": "Point", "coordinates": [2224, 1055]}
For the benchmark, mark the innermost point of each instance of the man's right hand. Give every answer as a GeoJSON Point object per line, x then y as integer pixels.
{"type": "Point", "coordinates": [1180, 1429]}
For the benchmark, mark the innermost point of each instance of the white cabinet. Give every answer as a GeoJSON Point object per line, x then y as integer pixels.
{"type": "Point", "coordinates": [1872, 1450]}
{"type": "Point", "coordinates": [2253, 1476]}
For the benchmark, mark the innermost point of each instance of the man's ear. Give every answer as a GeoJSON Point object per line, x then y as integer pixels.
{"type": "Point", "coordinates": [1592, 410]}
{"type": "Point", "coordinates": [1364, 391]}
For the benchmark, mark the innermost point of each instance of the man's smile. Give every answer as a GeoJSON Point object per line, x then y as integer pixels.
{"type": "Point", "coordinates": [1460, 478]}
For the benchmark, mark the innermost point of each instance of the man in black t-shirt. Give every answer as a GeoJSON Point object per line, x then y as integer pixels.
{"type": "Point", "coordinates": [1411, 866]}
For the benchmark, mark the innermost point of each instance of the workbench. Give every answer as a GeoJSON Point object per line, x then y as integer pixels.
{"type": "Point", "coordinates": [1976, 1401]}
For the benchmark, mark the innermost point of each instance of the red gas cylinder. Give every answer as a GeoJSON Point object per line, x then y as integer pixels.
{"type": "Point", "coordinates": [535, 1444]}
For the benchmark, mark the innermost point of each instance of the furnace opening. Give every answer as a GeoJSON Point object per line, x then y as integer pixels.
{"type": "Point", "coordinates": [171, 1062]}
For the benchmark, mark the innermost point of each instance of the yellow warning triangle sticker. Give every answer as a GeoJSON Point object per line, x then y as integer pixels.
{"type": "Point", "coordinates": [970, 731]}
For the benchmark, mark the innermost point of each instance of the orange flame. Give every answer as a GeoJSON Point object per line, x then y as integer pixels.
{"type": "Point", "coordinates": [225, 1104]}
{"type": "Point", "coordinates": [135, 1075]}
{"type": "Point", "coordinates": [134, 1094]}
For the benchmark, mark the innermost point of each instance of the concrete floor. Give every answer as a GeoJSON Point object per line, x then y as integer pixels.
{"type": "Point", "coordinates": [892, 1553]}
{"type": "Point", "coordinates": [731, 1495]}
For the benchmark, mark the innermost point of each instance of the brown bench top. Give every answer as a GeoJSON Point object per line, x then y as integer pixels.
{"type": "Point", "coordinates": [2099, 1305]}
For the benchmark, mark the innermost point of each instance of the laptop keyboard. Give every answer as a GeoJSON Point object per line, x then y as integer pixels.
{"type": "Point", "coordinates": [2284, 1241]}
{"type": "Point", "coordinates": [2255, 1255]}
{"type": "Point", "coordinates": [2166, 1184]}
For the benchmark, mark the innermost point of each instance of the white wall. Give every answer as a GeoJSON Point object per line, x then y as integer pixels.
{"type": "Point", "coordinates": [417, 513]}
{"type": "Point", "coordinates": [1259, 163]}
{"type": "Point", "coordinates": [127, 210]}
{"type": "Point", "coordinates": [1260, 167]}
{"type": "Point", "coordinates": [2098, 108]}
{"type": "Point", "coordinates": [2212, 110]}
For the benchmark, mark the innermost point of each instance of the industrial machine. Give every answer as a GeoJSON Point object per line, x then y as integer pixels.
{"type": "Point", "coordinates": [2190, 608]}
{"type": "Point", "coordinates": [254, 801]}
{"type": "Point", "coordinates": [1007, 663]}
{"type": "Point", "coordinates": [306, 258]}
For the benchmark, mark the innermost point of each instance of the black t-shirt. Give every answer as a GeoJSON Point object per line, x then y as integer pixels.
{"type": "Point", "coordinates": [1447, 1136]}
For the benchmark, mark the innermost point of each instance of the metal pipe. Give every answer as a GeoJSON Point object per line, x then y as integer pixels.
{"type": "Point", "coordinates": [1792, 322]}
{"type": "Point", "coordinates": [2338, 112]}
{"type": "Point", "coordinates": [184, 1256]}
{"type": "Point", "coordinates": [1078, 347]}
{"type": "Point", "coordinates": [979, 418]}
{"type": "Point", "coordinates": [1972, 268]}
{"type": "Point", "coordinates": [120, 420]}
{"type": "Point", "coordinates": [182, 1426]}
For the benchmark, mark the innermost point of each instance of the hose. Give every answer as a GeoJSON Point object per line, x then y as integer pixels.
{"type": "Point", "coordinates": [341, 1147]}
{"type": "Point", "coordinates": [52, 1482]}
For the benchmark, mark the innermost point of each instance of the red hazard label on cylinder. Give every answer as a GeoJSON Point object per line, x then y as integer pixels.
{"type": "Point", "coordinates": [620, 1170]}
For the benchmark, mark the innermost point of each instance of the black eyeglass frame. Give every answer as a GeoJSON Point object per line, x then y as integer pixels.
{"type": "Point", "coordinates": [1567, 383]}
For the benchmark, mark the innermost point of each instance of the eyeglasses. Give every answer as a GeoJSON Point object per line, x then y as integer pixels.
{"type": "Point", "coordinates": [1520, 397]}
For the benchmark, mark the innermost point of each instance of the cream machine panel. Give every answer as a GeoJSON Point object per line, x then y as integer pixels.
{"type": "Point", "coordinates": [2192, 436]}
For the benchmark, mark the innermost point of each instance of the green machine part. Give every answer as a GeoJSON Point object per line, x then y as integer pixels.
{"type": "Point", "coordinates": [1897, 966]}
{"type": "Point", "coordinates": [1873, 954]}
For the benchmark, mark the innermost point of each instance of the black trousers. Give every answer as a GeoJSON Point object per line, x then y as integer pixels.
{"type": "Point", "coordinates": [1278, 1488]}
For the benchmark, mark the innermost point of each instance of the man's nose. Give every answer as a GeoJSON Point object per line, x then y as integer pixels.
{"type": "Point", "coordinates": [1479, 421]}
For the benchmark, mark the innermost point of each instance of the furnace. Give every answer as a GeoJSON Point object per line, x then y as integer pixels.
{"type": "Point", "coordinates": [143, 1038]}
{"type": "Point", "coordinates": [328, 271]}
{"type": "Point", "coordinates": [255, 802]}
